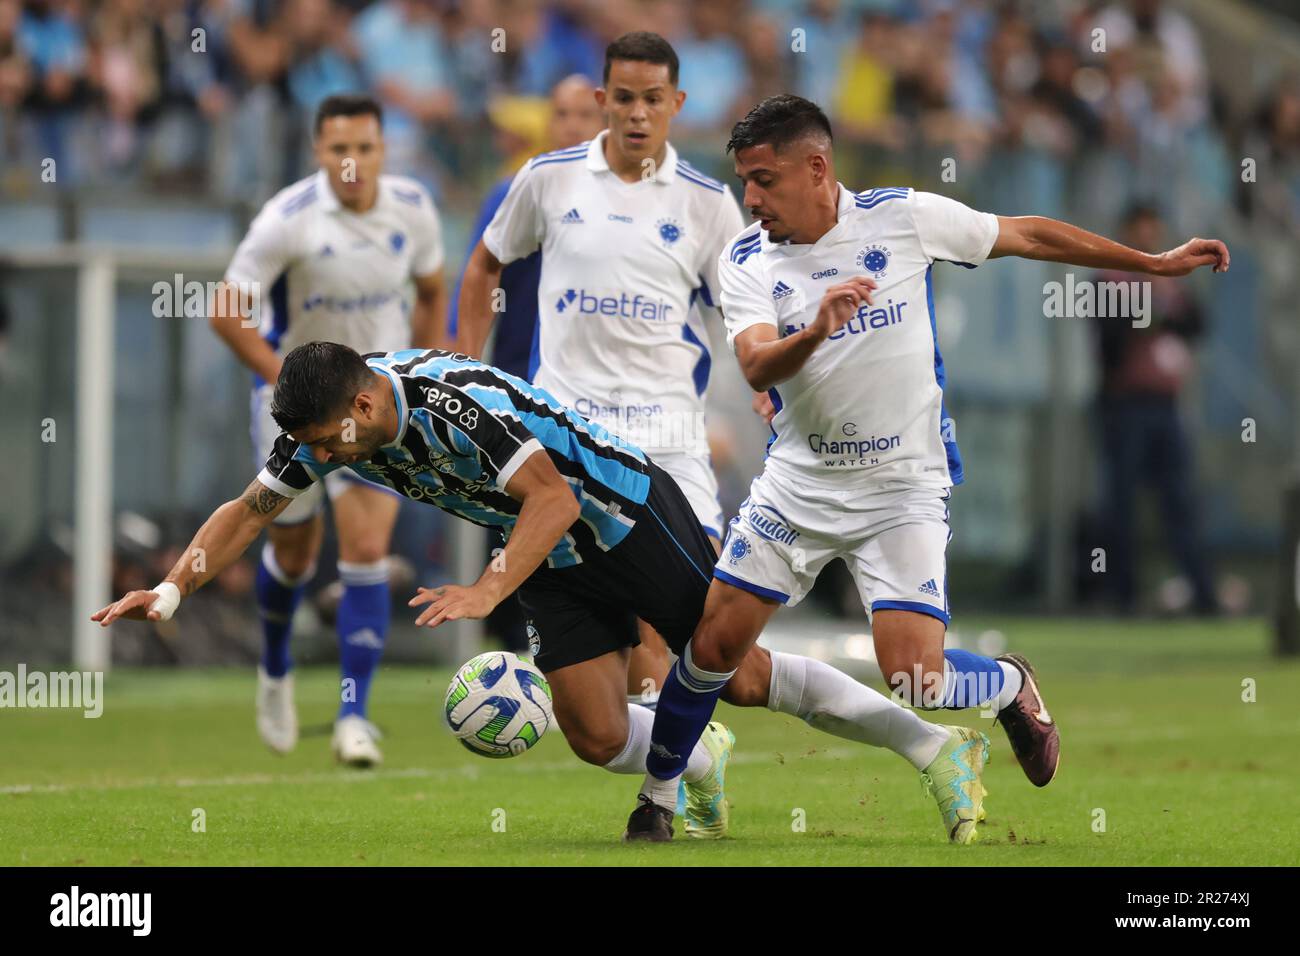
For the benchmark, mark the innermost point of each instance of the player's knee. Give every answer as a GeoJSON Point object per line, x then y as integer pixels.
{"type": "Point", "coordinates": [908, 676]}
{"type": "Point", "coordinates": [369, 550]}
{"type": "Point", "coordinates": [747, 688]}
{"type": "Point", "coordinates": [715, 647]}
{"type": "Point", "coordinates": [596, 748]}
{"type": "Point", "coordinates": [294, 559]}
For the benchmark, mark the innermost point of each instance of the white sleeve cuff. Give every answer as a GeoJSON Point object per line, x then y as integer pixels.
{"type": "Point", "coordinates": [734, 329]}
{"type": "Point", "coordinates": [526, 451]}
{"type": "Point", "coordinates": [278, 486]}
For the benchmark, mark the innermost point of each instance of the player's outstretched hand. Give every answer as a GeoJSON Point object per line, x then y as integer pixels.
{"type": "Point", "coordinates": [1193, 254]}
{"type": "Point", "coordinates": [840, 302]}
{"type": "Point", "coordinates": [451, 602]}
{"type": "Point", "coordinates": [134, 607]}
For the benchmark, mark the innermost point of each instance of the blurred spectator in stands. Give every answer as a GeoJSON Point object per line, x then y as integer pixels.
{"type": "Point", "coordinates": [1144, 440]}
{"type": "Point", "coordinates": [1273, 142]}
{"type": "Point", "coordinates": [714, 72]}
{"type": "Point", "coordinates": [124, 68]}
{"type": "Point", "coordinates": [51, 39]}
{"type": "Point", "coordinates": [1167, 53]}
{"type": "Point", "coordinates": [827, 36]}
{"type": "Point", "coordinates": [15, 81]}
{"type": "Point", "coordinates": [864, 109]}
{"type": "Point", "coordinates": [1066, 122]}
{"type": "Point", "coordinates": [403, 57]}
{"type": "Point", "coordinates": [770, 62]}
{"type": "Point", "coordinates": [321, 59]}
{"type": "Point", "coordinates": [557, 41]}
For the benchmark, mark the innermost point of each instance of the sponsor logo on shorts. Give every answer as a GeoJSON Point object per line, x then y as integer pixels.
{"type": "Point", "coordinates": [534, 639]}
{"type": "Point", "coordinates": [769, 523]}
{"type": "Point", "coordinates": [930, 588]}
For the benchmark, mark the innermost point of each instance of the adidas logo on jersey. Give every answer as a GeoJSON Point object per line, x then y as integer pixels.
{"type": "Point", "coordinates": [929, 588]}
{"type": "Point", "coordinates": [572, 216]}
{"type": "Point", "coordinates": [781, 290]}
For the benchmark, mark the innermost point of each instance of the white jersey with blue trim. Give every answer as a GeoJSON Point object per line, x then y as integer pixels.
{"type": "Point", "coordinates": [866, 411]}
{"type": "Point", "coordinates": [327, 274]}
{"type": "Point", "coordinates": [629, 276]}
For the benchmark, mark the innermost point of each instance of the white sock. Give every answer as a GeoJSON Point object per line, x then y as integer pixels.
{"type": "Point", "coordinates": [640, 721]}
{"type": "Point", "coordinates": [1012, 681]}
{"type": "Point", "coordinates": [833, 702]}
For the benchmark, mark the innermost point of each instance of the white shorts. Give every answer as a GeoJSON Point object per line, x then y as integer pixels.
{"type": "Point", "coordinates": [894, 544]}
{"type": "Point", "coordinates": [694, 475]}
{"type": "Point", "coordinates": [308, 504]}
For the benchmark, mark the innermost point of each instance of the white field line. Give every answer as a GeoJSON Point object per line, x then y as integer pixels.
{"type": "Point", "coordinates": [467, 772]}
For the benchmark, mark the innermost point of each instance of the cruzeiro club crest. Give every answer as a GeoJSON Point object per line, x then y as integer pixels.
{"type": "Point", "coordinates": [738, 547]}
{"type": "Point", "coordinates": [874, 259]}
{"type": "Point", "coordinates": [670, 230]}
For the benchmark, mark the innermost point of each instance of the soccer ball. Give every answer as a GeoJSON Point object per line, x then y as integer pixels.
{"type": "Point", "coordinates": [498, 705]}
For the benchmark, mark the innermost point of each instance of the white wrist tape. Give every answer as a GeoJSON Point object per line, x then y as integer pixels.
{"type": "Point", "coordinates": [169, 598]}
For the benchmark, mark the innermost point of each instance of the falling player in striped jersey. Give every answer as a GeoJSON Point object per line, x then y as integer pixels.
{"type": "Point", "coordinates": [333, 257]}
{"type": "Point", "coordinates": [829, 305]}
{"type": "Point", "coordinates": [596, 535]}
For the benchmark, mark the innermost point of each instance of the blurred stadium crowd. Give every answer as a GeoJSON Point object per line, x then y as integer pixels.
{"type": "Point", "coordinates": [1087, 111]}
{"type": "Point", "coordinates": [214, 95]}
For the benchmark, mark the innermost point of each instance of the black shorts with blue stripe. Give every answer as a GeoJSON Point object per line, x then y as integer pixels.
{"type": "Point", "coordinates": [660, 573]}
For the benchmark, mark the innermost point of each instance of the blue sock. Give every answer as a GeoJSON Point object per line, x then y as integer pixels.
{"type": "Point", "coordinates": [277, 598]}
{"type": "Point", "coordinates": [686, 704]}
{"type": "Point", "coordinates": [362, 626]}
{"type": "Point", "coordinates": [969, 680]}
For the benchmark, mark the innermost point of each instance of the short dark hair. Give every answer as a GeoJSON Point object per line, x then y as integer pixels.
{"type": "Point", "coordinates": [642, 46]}
{"type": "Point", "coordinates": [316, 381]}
{"type": "Point", "coordinates": [779, 121]}
{"type": "Point", "coordinates": [347, 104]}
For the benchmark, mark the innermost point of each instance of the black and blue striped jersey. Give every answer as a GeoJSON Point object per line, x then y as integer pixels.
{"type": "Point", "coordinates": [466, 428]}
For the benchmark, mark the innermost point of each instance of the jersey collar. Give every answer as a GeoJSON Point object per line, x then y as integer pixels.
{"type": "Point", "coordinates": [597, 163]}
{"type": "Point", "coordinates": [399, 396]}
{"type": "Point", "coordinates": [329, 202]}
{"type": "Point", "coordinates": [843, 208]}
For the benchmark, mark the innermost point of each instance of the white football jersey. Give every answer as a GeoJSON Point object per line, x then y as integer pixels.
{"type": "Point", "coordinates": [622, 265]}
{"type": "Point", "coordinates": [327, 274]}
{"type": "Point", "coordinates": [866, 411]}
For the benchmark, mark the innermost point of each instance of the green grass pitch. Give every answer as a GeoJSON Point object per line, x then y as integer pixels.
{"type": "Point", "coordinates": [1155, 735]}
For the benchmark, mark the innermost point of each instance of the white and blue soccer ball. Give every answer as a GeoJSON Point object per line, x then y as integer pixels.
{"type": "Point", "coordinates": [498, 705]}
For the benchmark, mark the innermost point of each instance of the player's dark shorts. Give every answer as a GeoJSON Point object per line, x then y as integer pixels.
{"type": "Point", "coordinates": [660, 573]}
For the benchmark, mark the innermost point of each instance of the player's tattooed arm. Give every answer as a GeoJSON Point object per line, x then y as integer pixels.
{"type": "Point", "coordinates": [226, 535]}
{"type": "Point", "coordinates": [217, 545]}
{"type": "Point", "coordinates": [261, 500]}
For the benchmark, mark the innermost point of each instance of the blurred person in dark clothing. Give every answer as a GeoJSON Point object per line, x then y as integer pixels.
{"type": "Point", "coordinates": [1144, 439]}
